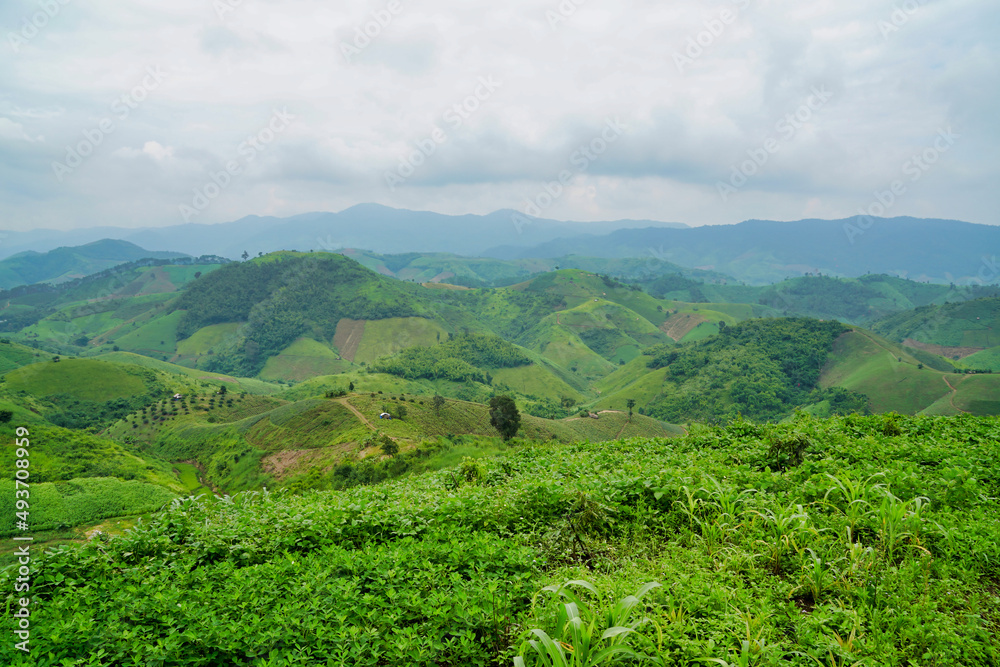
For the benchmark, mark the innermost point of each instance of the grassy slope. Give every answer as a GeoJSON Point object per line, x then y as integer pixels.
{"type": "Point", "coordinates": [249, 385]}
{"type": "Point", "coordinates": [970, 324]}
{"type": "Point", "coordinates": [258, 438]}
{"type": "Point", "coordinates": [87, 379]}
{"type": "Point", "coordinates": [303, 359]}
{"type": "Point", "coordinates": [535, 380]}
{"type": "Point", "coordinates": [863, 362]}
{"type": "Point", "coordinates": [15, 355]}
{"type": "Point", "coordinates": [205, 339]}
{"type": "Point", "coordinates": [383, 337]}
{"type": "Point", "coordinates": [988, 359]}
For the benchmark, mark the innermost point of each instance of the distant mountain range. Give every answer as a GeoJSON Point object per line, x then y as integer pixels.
{"type": "Point", "coordinates": [368, 226]}
{"type": "Point", "coordinates": [763, 251]}
{"type": "Point", "coordinates": [754, 251]}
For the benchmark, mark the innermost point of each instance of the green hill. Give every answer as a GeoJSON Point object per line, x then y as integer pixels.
{"type": "Point", "coordinates": [954, 330]}
{"type": "Point", "coordinates": [479, 272]}
{"type": "Point", "coordinates": [895, 380]}
{"type": "Point", "coordinates": [67, 263]}
{"type": "Point", "coordinates": [14, 355]}
{"type": "Point", "coordinates": [283, 296]}
{"type": "Point", "coordinates": [761, 369]}
{"type": "Point", "coordinates": [245, 441]}
{"type": "Point", "coordinates": [859, 300]}
{"type": "Point", "coordinates": [96, 309]}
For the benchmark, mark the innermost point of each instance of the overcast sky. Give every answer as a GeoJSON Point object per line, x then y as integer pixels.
{"type": "Point", "coordinates": [130, 112]}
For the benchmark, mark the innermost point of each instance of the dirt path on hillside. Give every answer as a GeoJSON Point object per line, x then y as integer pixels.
{"type": "Point", "coordinates": [622, 429]}
{"type": "Point", "coordinates": [951, 399]}
{"type": "Point", "coordinates": [942, 350]}
{"type": "Point", "coordinates": [348, 337]}
{"type": "Point", "coordinates": [357, 413]}
{"type": "Point", "coordinates": [681, 324]}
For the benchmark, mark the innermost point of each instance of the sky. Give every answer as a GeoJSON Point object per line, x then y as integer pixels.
{"type": "Point", "coordinates": [139, 113]}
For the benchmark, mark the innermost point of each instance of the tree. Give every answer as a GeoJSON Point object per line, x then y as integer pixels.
{"type": "Point", "coordinates": [223, 390]}
{"type": "Point", "coordinates": [389, 446]}
{"type": "Point", "coordinates": [245, 255]}
{"type": "Point", "coordinates": [401, 412]}
{"type": "Point", "coordinates": [438, 403]}
{"type": "Point", "coordinates": [504, 416]}
{"type": "Point", "coordinates": [197, 274]}
{"type": "Point", "coordinates": [6, 416]}
{"type": "Point", "coordinates": [350, 386]}
{"type": "Point", "coordinates": [630, 403]}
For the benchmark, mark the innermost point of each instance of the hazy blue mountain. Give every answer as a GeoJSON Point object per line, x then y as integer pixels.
{"type": "Point", "coordinates": [369, 226]}
{"type": "Point", "coordinates": [762, 251]}
{"type": "Point", "coordinates": [66, 263]}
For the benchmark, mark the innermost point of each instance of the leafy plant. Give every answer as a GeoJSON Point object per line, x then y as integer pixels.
{"type": "Point", "coordinates": [582, 637]}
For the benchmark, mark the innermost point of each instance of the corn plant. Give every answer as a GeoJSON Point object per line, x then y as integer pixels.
{"type": "Point", "coordinates": [818, 576]}
{"type": "Point", "coordinates": [582, 637]}
{"type": "Point", "coordinates": [855, 495]}
{"type": "Point", "coordinates": [899, 523]}
{"type": "Point", "coordinates": [786, 527]}
{"type": "Point", "coordinates": [729, 502]}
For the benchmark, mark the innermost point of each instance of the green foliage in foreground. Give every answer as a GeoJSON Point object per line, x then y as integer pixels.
{"type": "Point", "coordinates": [848, 541]}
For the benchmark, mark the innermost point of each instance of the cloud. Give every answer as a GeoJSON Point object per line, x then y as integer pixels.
{"type": "Point", "coordinates": [746, 65]}
{"type": "Point", "coordinates": [14, 131]}
{"type": "Point", "coordinates": [151, 149]}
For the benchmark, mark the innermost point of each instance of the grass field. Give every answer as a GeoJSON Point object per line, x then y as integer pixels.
{"type": "Point", "coordinates": [988, 359]}
{"type": "Point", "coordinates": [886, 373]}
{"type": "Point", "coordinates": [637, 383]}
{"type": "Point", "coordinates": [15, 355]}
{"type": "Point", "coordinates": [189, 477]}
{"type": "Point", "coordinates": [203, 340]}
{"type": "Point", "coordinates": [87, 379]}
{"type": "Point", "coordinates": [157, 337]}
{"type": "Point", "coordinates": [303, 359]}
{"type": "Point", "coordinates": [978, 394]}
{"type": "Point", "coordinates": [535, 380]}
{"type": "Point", "coordinates": [249, 385]}
{"type": "Point", "coordinates": [58, 505]}
{"type": "Point", "coordinates": [384, 337]}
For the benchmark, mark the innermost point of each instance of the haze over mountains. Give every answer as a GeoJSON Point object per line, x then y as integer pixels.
{"type": "Point", "coordinates": [754, 251]}
{"type": "Point", "coordinates": [765, 250]}
{"type": "Point", "coordinates": [369, 226]}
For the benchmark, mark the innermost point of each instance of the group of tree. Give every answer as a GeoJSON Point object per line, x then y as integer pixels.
{"type": "Point", "coordinates": [761, 369]}
{"type": "Point", "coordinates": [285, 298]}
{"type": "Point", "coordinates": [463, 358]}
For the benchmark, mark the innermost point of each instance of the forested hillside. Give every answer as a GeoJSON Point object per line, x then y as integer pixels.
{"type": "Point", "coordinates": [760, 369]}
{"type": "Point", "coordinates": [284, 296]}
